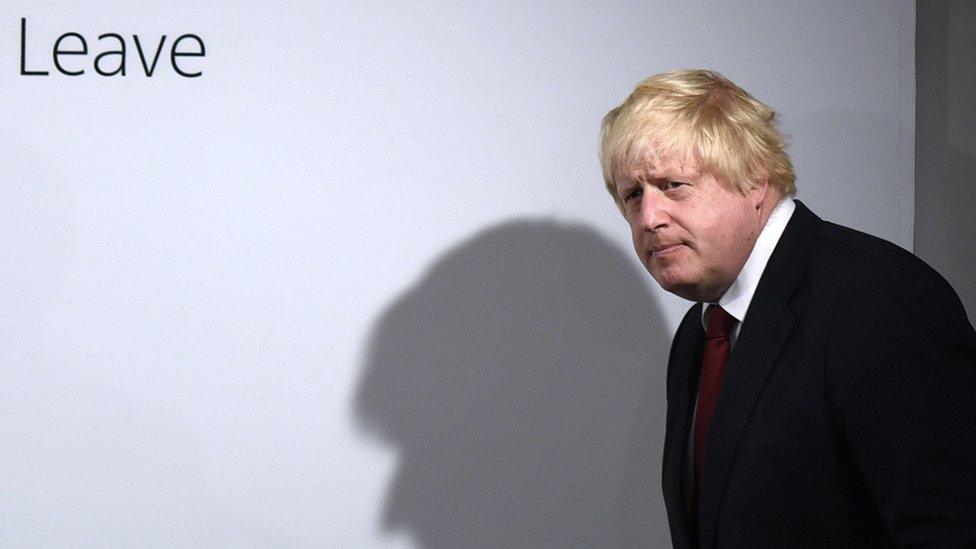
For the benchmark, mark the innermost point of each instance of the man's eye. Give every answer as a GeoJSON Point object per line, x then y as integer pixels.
{"type": "Point", "coordinates": [668, 185]}
{"type": "Point", "coordinates": [634, 195]}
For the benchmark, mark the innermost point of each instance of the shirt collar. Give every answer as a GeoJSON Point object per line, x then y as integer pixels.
{"type": "Point", "coordinates": [736, 299]}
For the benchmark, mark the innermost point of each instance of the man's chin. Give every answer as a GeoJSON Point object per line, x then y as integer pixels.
{"type": "Point", "coordinates": [678, 287]}
{"type": "Point", "coordinates": [685, 289]}
{"type": "Point", "coordinates": [689, 293]}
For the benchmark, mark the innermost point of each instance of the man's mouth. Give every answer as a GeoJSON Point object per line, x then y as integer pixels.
{"type": "Point", "coordinates": [665, 249]}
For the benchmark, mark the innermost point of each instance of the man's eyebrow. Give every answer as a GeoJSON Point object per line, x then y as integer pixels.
{"type": "Point", "coordinates": [630, 182]}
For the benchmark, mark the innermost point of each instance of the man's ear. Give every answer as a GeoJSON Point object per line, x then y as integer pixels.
{"type": "Point", "coordinates": [758, 192]}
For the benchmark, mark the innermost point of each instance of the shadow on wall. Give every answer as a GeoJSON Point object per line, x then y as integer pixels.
{"type": "Point", "coordinates": [522, 380]}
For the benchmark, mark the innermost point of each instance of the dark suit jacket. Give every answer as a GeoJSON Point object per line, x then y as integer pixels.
{"type": "Point", "coordinates": [848, 411]}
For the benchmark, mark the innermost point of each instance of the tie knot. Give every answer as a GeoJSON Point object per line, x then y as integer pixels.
{"type": "Point", "coordinates": [719, 322]}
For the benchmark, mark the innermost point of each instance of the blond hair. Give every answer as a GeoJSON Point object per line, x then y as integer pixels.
{"type": "Point", "coordinates": [731, 135]}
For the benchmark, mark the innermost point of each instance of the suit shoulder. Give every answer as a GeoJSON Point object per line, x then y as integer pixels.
{"type": "Point", "coordinates": [864, 255]}
{"type": "Point", "coordinates": [868, 250]}
{"type": "Point", "coordinates": [867, 269]}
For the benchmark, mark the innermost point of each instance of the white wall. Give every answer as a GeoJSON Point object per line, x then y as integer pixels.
{"type": "Point", "coordinates": [359, 285]}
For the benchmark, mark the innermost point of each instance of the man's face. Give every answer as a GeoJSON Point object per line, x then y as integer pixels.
{"type": "Point", "coordinates": [690, 232]}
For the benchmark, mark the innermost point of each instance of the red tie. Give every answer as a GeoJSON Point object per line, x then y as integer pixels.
{"type": "Point", "coordinates": [716, 356]}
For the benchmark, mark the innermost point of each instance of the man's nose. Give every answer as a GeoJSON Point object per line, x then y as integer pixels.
{"type": "Point", "coordinates": [654, 211]}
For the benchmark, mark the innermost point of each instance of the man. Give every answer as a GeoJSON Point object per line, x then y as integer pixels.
{"type": "Point", "coordinates": [822, 392]}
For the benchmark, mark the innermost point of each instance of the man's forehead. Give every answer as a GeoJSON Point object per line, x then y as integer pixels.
{"type": "Point", "coordinates": [659, 165]}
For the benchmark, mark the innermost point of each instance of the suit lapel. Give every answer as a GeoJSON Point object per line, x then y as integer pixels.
{"type": "Point", "coordinates": [683, 368]}
{"type": "Point", "coordinates": [761, 339]}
